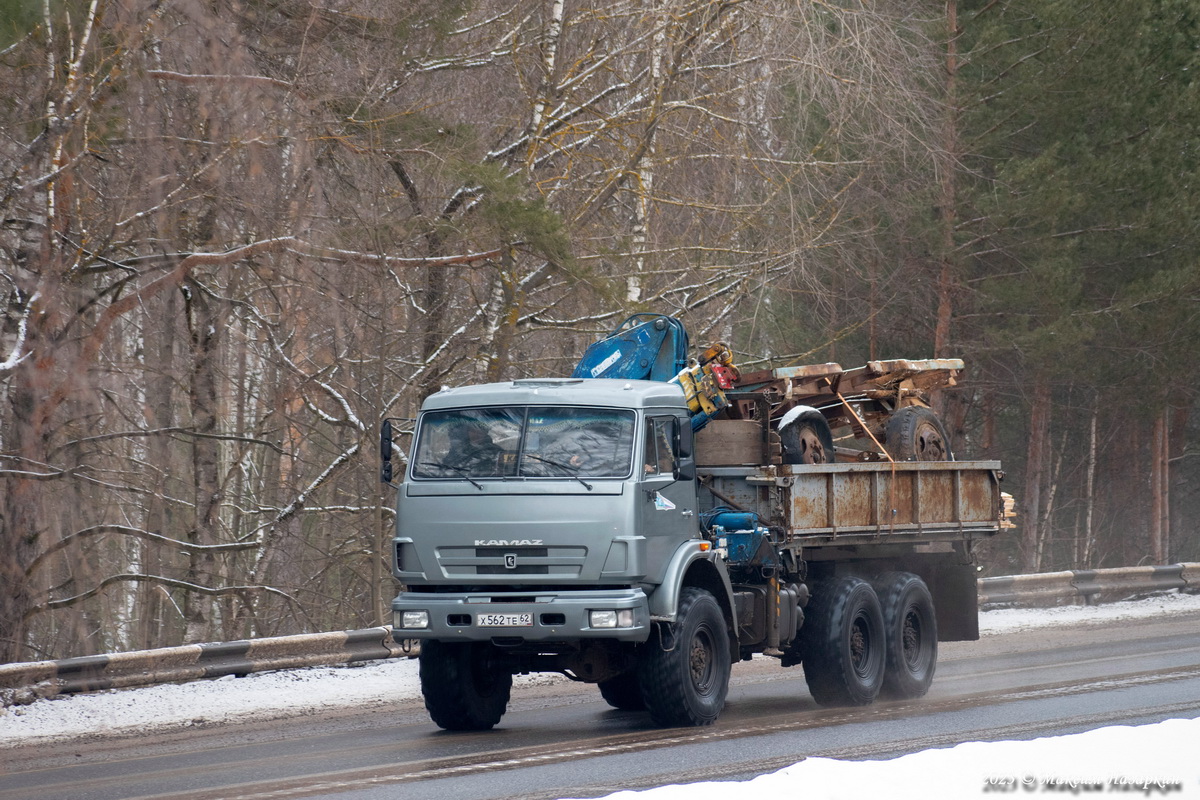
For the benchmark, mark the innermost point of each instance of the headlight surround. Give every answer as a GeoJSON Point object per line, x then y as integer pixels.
{"type": "Point", "coordinates": [412, 619]}
{"type": "Point", "coordinates": [610, 618]}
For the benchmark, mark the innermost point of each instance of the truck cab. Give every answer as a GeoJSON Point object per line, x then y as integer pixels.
{"type": "Point", "coordinates": [539, 517]}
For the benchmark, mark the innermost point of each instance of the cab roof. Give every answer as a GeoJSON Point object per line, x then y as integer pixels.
{"type": "Point", "coordinates": [561, 391]}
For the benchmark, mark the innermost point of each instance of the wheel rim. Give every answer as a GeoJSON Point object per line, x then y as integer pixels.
{"type": "Point", "coordinates": [860, 646]}
{"type": "Point", "coordinates": [812, 451]}
{"type": "Point", "coordinates": [910, 637]}
{"type": "Point", "coordinates": [700, 660]}
{"type": "Point", "coordinates": [930, 444]}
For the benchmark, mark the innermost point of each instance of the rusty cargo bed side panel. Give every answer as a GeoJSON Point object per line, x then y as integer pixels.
{"type": "Point", "coordinates": [863, 503]}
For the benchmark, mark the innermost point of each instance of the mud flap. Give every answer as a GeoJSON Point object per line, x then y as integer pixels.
{"type": "Point", "coordinates": [955, 602]}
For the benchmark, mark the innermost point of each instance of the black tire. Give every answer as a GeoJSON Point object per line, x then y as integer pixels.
{"type": "Point", "coordinates": [623, 692]}
{"type": "Point", "coordinates": [843, 643]}
{"type": "Point", "coordinates": [686, 685]}
{"type": "Point", "coordinates": [914, 433]}
{"type": "Point", "coordinates": [911, 630]}
{"type": "Point", "coordinates": [465, 686]}
{"type": "Point", "coordinates": [807, 440]}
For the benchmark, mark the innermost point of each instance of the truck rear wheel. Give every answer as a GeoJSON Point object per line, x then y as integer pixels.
{"type": "Point", "coordinates": [843, 643]}
{"type": "Point", "coordinates": [623, 692]}
{"type": "Point", "coordinates": [465, 686]}
{"type": "Point", "coordinates": [807, 440]}
{"type": "Point", "coordinates": [911, 630]}
{"type": "Point", "coordinates": [915, 433]}
{"type": "Point", "coordinates": [686, 683]}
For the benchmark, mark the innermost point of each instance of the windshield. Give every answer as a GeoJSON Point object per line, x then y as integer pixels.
{"type": "Point", "coordinates": [525, 442]}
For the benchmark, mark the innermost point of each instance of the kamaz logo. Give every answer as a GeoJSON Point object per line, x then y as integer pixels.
{"type": "Point", "coordinates": [509, 542]}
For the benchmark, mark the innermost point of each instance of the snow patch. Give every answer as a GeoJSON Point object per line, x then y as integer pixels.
{"type": "Point", "coordinates": [1123, 761]}
{"type": "Point", "coordinates": [1010, 620]}
{"type": "Point", "coordinates": [792, 414]}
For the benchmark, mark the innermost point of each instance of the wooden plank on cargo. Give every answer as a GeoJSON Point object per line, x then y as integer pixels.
{"type": "Point", "coordinates": [729, 442]}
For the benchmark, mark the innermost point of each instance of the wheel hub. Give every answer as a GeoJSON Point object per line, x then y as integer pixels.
{"type": "Point", "coordinates": [858, 646]}
{"type": "Point", "coordinates": [700, 661]}
{"type": "Point", "coordinates": [910, 636]}
{"type": "Point", "coordinates": [930, 445]}
{"type": "Point", "coordinates": [811, 449]}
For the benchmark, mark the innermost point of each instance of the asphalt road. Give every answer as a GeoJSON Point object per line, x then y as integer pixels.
{"type": "Point", "coordinates": [562, 740]}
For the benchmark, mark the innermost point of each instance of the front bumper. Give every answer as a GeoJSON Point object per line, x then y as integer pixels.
{"type": "Point", "coordinates": [556, 616]}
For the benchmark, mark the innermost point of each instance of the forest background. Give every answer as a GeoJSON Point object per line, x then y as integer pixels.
{"type": "Point", "coordinates": [236, 234]}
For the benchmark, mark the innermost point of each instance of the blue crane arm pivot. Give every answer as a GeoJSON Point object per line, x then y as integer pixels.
{"type": "Point", "coordinates": [648, 347]}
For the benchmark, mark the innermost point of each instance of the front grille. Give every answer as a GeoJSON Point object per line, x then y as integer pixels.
{"type": "Point", "coordinates": [519, 569]}
{"type": "Point", "coordinates": [520, 553]}
{"type": "Point", "coordinates": [501, 552]}
{"type": "Point", "coordinates": [562, 562]}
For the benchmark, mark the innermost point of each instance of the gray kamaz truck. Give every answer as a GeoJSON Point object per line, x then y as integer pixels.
{"type": "Point", "coordinates": [644, 534]}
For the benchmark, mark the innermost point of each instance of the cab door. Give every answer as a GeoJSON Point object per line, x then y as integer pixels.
{"type": "Point", "coordinates": [667, 498]}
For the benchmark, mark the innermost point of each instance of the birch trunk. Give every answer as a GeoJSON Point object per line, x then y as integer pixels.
{"type": "Point", "coordinates": [205, 327]}
{"type": "Point", "coordinates": [1156, 489]}
{"type": "Point", "coordinates": [1177, 444]}
{"type": "Point", "coordinates": [1046, 525]}
{"type": "Point", "coordinates": [1089, 492]}
{"type": "Point", "coordinates": [948, 202]}
{"type": "Point", "coordinates": [1035, 467]}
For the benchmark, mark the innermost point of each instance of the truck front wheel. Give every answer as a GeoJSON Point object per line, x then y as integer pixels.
{"type": "Point", "coordinates": [466, 687]}
{"type": "Point", "coordinates": [911, 630]}
{"type": "Point", "coordinates": [842, 642]}
{"type": "Point", "coordinates": [684, 681]}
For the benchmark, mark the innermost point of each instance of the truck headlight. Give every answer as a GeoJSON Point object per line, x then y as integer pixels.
{"type": "Point", "coordinates": [611, 619]}
{"type": "Point", "coordinates": [411, 619]}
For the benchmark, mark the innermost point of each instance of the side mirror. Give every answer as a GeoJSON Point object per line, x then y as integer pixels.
{"type": "Point", "coordinates": [385, 451]}
{"type": "Point", "coordinates": [684, 438]}
{"type": "Point", "coordinates": [685, 461]}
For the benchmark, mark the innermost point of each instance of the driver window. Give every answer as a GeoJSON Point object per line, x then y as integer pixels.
{"type": "Point", "coordinates": [659, 454]}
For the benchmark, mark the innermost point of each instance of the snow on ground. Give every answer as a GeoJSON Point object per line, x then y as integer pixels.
{"type": "Point", "coordinates": [1022, 619]}
{"type": "Point", "coordinates": [1146, 761]}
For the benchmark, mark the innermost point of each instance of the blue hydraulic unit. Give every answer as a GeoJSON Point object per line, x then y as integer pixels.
{"type": "Point", "coordinates": [645, 347]}
{"type": "Point", "coordinates": [740, 539]}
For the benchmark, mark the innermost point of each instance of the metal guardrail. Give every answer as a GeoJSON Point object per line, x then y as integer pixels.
{"type": "Point", "coordinates": [24, 682]}
{"type": "Point", "coordinates": [1088, 585]}
{"type": "Point", "coordinates": [1041, 588]}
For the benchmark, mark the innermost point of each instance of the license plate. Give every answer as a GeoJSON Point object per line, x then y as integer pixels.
{"type": "Point", "coordinates": [504, 620]}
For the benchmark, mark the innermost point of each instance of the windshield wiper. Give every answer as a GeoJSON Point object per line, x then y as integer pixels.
{"type": "Point", "coordinates": [564, 467]}
{"type": "Point", "coordinates": [459, 470]}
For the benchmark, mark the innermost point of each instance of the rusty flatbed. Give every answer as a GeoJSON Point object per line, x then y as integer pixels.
{"type": "Point", "coordinates": [819, 505]}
